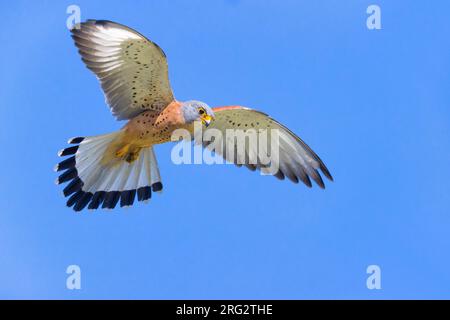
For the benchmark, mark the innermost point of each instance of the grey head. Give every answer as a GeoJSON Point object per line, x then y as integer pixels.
{"type": "Point", "coordinates": [197, 111]}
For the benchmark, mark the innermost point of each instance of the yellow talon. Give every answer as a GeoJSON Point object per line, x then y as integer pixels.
{"type": "Point", "coordinates": [132, 156]}
{"type": "Point", "coordinates": [122, 151]}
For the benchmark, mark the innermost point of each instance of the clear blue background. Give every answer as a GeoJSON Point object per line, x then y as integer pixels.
{"type": "Point", "coordinates": [373, 104]}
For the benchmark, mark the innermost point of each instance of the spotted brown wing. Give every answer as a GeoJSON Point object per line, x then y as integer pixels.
{"type": "Point", "coordinates": [296, 160]}
{"type": "Point", "coordinates": [132, 70]}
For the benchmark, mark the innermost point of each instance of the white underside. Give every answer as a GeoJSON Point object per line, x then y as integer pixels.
{"type": "Point", "coordinates": [123, 176]}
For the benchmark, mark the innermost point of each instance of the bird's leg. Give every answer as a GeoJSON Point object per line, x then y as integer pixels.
{"type": "Point", "coordinates": [128, 153]}
{"type": "Point", "coordinates": [122, 151]}
{"type": "Point", "coordinates": [133, 155]}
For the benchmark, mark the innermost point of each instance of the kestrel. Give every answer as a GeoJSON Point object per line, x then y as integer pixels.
{"type": "Point", "coordinates": [133, 73]}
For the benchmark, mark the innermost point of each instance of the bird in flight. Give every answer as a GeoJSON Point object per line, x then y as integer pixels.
{"type": "Point", "coordinates": [119, 167]}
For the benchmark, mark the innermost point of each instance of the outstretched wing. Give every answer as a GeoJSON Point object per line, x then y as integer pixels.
{"type": "Point", "coordinates": [132, 70]}
{"type": "Point", "coordinates": [296, 160]}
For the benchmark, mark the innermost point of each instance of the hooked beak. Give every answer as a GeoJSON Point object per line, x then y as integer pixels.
{"type": "Point", "coordinates": [206, 119]}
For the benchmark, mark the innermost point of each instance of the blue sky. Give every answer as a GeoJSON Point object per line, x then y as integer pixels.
{"type": "Point", "coordinates": [374, 104]}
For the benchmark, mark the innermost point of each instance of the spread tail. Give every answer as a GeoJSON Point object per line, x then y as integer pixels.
{"type": "Point", "coordinates": [94, 182]}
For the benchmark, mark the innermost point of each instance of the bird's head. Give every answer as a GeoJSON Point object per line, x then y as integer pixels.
{"type": "Point", "coordinates": [197, 111]}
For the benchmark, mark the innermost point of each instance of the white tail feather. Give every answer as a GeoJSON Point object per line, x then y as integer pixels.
{"type": "Point", "coordinates": [94, 182]}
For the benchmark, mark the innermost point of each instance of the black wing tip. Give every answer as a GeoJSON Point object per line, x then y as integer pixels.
{"type": "Point", "coordinates": [325, 171]}
{"type": "Point", "coordinates": [279, 175]}
{"type": "Point", "coordinates": [309, 184]}
{"type": "Point", "coordinates": [294, 179]}
{"type": "Point", "coordinates": [318, 179]}
{"type": "Point", "coordinates": [329, 177]}
{"type": "Point", "coordinates": [306, 179]}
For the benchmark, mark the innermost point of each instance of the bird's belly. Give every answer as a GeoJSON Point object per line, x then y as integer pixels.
{"type": "Point", "coordinates": [150, 127]}
{"type": "Point", "coordinates": [154, 134]}
{"type": "Point", "coordinates": [158, 136]}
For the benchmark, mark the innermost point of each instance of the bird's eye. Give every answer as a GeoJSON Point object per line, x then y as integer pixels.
{"type": "Point", "coordinates": [201, 111]}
